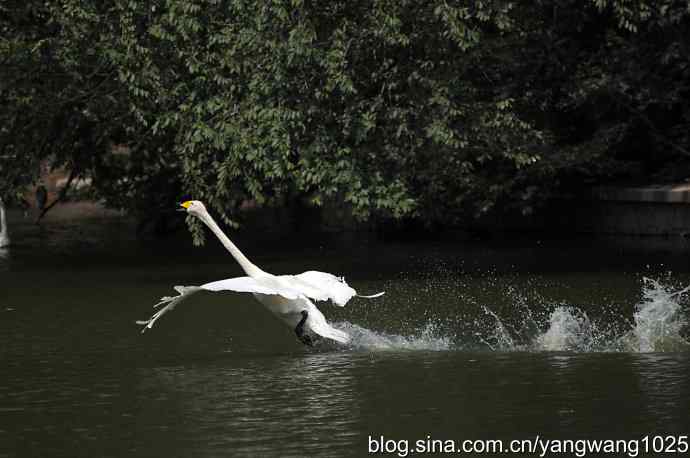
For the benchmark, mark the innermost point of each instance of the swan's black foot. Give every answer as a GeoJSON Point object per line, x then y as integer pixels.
{"type": "Point", "coordinates": [299, 330]}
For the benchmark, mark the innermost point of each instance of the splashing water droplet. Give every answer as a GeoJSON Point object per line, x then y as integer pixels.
{"type": "Point", "coordinates": [570, 329]}
{"type": "Point", "coordinates": [657, 325]}
{"type": "Point", "coordinates": [426, 339]}
{"type": "Point", "coordinates": [659, 320]}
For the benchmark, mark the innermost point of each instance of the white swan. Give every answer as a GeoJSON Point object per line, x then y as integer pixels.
{"type": "Point", "coordinates": [4, 233]}
{"type": "Point", "coordinates": [286, 296]}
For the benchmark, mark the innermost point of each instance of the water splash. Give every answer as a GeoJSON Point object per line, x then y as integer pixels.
{"type": "Point", "coordinates": [499, 337]}
{"type": "Point", "coordinates": [658, 324]}
{"type": "Point", "coordinates": [427, 338]}
{"type": "Point", "coordinates": [570, 329]}
{"type": "Point", "coordinates": [659, 320]}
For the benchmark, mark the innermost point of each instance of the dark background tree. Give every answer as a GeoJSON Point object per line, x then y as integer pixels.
{"type": "Point", "coordinates": [436, 111]}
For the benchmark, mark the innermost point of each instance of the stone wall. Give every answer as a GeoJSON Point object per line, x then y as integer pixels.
{"type": "Point", "coordinates": [649, 210]}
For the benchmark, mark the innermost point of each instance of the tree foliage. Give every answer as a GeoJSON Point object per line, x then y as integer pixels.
{"type": "Point", "coordinates": [435, 110]}
{"type": "Point", "coordinates": [614, 83]}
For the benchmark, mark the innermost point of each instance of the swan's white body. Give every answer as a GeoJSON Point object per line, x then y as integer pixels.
{"type": "Point", "coordinates": [286, 296]}
{"type": "Point", "coordinates": [4, 234]}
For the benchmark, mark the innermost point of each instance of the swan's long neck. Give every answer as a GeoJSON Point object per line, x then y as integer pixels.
{"type": "Point", "coordinates": [249, 268]}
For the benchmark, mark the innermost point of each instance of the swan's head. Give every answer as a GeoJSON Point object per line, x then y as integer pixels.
{"type": "Point", "coordinates": [194, 208]}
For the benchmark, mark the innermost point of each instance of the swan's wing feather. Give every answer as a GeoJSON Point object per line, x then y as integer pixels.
{"type": "Point", "coordinates": [251, 285]}
{"type": "Point", "coordinates": [171, 302]}
{"type": "Point", "coordinates": [322, 286]}
{"type": "Point", "coordinates": [240, 284]}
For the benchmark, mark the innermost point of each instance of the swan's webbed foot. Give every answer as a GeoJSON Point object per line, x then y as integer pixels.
{"type": "Point", "coordinates": [299, 330]}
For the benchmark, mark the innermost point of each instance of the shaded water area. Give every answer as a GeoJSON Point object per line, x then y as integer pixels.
{"type": "Point", "coordinates": [566, 339]}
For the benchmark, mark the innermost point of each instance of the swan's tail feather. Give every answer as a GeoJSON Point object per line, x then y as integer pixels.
{"type": "Point", "coordinates": [372, 296]}
{"type": "Point", "coordinates": [171, 301]}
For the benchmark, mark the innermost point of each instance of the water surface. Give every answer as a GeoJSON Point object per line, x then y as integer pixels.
{"type": "Point", "coordinates": [567, 339]}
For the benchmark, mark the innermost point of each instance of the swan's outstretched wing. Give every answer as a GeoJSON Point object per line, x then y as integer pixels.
{"type": "Point", "coordinates": [322, 286]}
{"type": "Point", "coordinates": [240, 284]}
{"type": "Point", "coordinates": [171, 301]}
{"type": "Point", "coordinates": [266, 285]}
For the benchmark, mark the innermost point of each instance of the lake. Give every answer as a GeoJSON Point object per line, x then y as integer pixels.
{"type": "Point", "coordinates": [575, 339]}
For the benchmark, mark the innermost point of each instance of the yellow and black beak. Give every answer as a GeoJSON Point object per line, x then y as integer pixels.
{"type": "Point", "coordinates": [185, 206]}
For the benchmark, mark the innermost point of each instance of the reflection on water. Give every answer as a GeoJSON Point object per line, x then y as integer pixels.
{"type": "Point", "coordinates": [294, 402]}
{"type": "Point", "coordinates": [470, 341]}
{"type": "Point", "coordinates": [4, 258]}
{"type": "Point", "coordinates": [328, 404]}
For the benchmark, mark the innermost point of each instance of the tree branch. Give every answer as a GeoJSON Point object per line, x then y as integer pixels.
{"type": "Point", "coordinates": [61, 195]}
{"type": "Point", "coordinates": [648, 122]}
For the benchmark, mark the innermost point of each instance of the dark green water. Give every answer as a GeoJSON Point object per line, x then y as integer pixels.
{"type": "Point", "coordinates": [473, 340]}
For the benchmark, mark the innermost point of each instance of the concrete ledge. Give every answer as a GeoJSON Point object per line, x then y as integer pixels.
{"type": "Point", "coordinates": [675, 194]}
{"type": "Point", "coordinates": [662, 210]}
